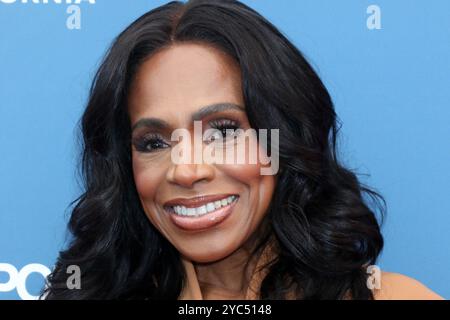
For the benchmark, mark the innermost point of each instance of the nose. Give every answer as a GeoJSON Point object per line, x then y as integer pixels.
{"type": "Point", "coordinates": [187, 175]}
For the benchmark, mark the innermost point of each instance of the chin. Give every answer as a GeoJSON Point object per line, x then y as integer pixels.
{"type": "Point", "coordinates": [210, 253]}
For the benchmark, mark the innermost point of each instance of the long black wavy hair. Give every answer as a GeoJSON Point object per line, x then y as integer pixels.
{"type": "Point", "coordinates": [322, 217]}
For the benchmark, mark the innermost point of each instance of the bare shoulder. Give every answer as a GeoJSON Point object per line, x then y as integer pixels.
{"type": "Point", "coordinates": [396, 286]}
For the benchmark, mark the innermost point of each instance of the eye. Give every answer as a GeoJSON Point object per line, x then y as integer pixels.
{"type": "Point", "coordinates": [150, 143]}
{"type": "Point", "coordinates": [222, 129]}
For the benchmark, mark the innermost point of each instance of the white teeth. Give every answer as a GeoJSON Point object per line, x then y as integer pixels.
{"type": "Point", "coordinates": [201, 210]}
{"type": "Point", "coordinates": [209, 207]}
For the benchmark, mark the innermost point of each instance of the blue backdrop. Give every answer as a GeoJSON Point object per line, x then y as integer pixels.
{"type": "Point", "coordinates": [391, 88]}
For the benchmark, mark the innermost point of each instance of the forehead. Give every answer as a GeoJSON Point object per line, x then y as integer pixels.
{"type": "Point", "coordinates": [177, 81]}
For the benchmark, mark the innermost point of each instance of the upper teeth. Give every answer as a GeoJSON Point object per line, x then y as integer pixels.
{"type": "Point", "coordinates": [208, 207]}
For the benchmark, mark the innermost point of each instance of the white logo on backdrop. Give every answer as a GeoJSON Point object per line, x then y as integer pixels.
{"type": "Point", "coordinates": [73, 21]}
{"type": "Point", "coordinates": [18, 279]}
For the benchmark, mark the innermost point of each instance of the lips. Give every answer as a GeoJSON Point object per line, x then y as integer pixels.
{"type": "Point", "coordinates": [200, 212]}
{"type": "Point", "coordinates": [196, 201]}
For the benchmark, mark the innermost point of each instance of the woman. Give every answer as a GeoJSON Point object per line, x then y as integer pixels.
{"type": "Point", "coordinates": [149, 228]}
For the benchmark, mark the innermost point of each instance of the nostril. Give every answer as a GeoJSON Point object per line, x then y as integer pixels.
{"type": "Point", "coordinates": [187, 175]}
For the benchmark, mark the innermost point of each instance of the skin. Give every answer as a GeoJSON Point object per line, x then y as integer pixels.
{"type": "Point", "coordinates": [396, 286]}
{"type": "Point", "coordinates": [393, 286]}
{"type": "Point", "coordinates": [172, 85]}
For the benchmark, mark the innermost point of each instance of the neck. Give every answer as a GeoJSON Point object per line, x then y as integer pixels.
{"type": "Point", "coordinates": [230, 276]}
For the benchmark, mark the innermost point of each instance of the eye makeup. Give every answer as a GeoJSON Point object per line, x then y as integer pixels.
{"type": "Point", "coordinates": [153, 141]}
{"type": "Point", "coordinates": [150, 142]}
{"type": "Point", "coordinates": [224, 128]}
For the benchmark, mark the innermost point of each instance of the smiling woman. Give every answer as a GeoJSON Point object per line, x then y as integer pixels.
{"type": "Point", "coordinates": [180, 200]}
{"type": "Point", "coordinates": [149, 228]}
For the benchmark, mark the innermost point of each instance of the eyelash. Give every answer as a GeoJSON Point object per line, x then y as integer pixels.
{"type": "Point", "coordinates": [142, 144]}
{"type": "Point", "coordinates": [224, 124]}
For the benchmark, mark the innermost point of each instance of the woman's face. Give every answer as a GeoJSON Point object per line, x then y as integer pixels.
{"type": "Point", "coordinates": [207, 211]}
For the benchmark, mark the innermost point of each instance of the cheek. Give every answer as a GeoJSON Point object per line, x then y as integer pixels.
{"type": "Point", "coordinates": [246, 173]}
{"type": "Point", "coordinates": [147, 178]}
{"type": "Point", "coordinates": [249, 173]}
{"type": "Point", "coordinates": [260, 187]}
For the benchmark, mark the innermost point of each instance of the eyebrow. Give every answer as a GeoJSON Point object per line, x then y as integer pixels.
{"type": "Point", "coordinates": [218, 107]}
{"type": "Point", "coordinates": [198, 115]}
